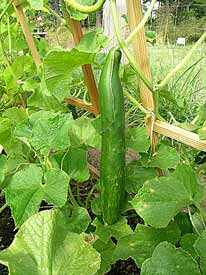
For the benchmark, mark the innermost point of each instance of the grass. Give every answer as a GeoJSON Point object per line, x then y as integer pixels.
{"type": "Point", "coordinates": [188, 87]}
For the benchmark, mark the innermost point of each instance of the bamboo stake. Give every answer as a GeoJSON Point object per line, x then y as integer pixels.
{"type": "Point", "coordinates": [134, 9]}
{"type": "Point", "coordinates": [80, 103]}
{"type": "Point", "coordinates": [180, 135]}
{"type": "Point", "coordinates": [28, 35]}
{"type": "Point", "coordinates": [87, 69]}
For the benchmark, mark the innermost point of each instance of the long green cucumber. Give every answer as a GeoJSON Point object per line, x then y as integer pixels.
{"type": "Point", "coordinates": [112, 168]}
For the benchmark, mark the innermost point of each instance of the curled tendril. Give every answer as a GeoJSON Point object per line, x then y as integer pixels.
{"type": "Point", "coordinates": [85, 8]}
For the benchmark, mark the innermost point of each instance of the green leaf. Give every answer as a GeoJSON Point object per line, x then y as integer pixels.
{"type": "Point", "coordinates": [106, 252]}
{"type": "Point", "coordinates": [138, 139]}
{"type": "Point", "coordinates": [117, 230]}
{"type": "Point", "coordinates": [202, 133]}
{"type": "Point", "coordinates": [198, 222]}
{"type": "Point", "coordinates": [37, 4]}
{"type": "Point", "coordinates": [24, 193]}
{"type": "Point", "coordinates": [16, 115]}
{"type": "Point", "coordinates": [141, 244]}
{"type": "Point", "coordinates": [168, 260]}
{"type": "Point", "coordinates": [160, 199]}
{"type": "Point", "coordinates": [43, 99]}
{"type": "Point", "coordinates": [184, 223]}
{"type": "Point", "coordinates": [51, 133]}
{"type": "Point", "coordinates": [56, 187]}
{"type": "Point", "coordinates": [92, 42]}
{"type": "Point", "coordinates": [188, 126]}
{"type": "Point", "coordinates": [136, 176]}
{"type": "Point", "coordinates": [5, 131]}
{"type": "Point", "coordinates": [27, 189]}
{"type": "Point", "coordinates": [187, 242]}
{"type": "Point", "coordinates": [74, 163]}
{"type": "Point", "coordinates": [165, 157]}
{"type": "Point", "coordinates": [82, 132]}
{"type": "Point", "coordinates": [79, 220]}
{"type": "Point", "coordinates": [58, 66]}
{"type": "Point", "coordinates": [3, 167]}
{"type": "Point", "coordinates": [200, 248]}
{"type": "Point", "coordinates": [44, 245]}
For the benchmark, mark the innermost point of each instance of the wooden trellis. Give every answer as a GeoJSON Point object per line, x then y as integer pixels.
{"type": "Point", "coordinates": [141, 54]}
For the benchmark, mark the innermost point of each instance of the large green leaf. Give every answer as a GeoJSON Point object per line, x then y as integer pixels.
{"type": "Point", "coordinates": [51, 133]}
{"type": "Point", "coordinates": [106, 251]}
{"type": "Point", "coordinates": [167, 260]}
{"type": "Point", "coordinates": [141, 244]}
{"type": "Point", "coordinates": [45, 246]}
{"type": "Point", "coordinates": [117, 230]}
{"type": "Point", "coordinates": [5, 131]}
{"type": "Point", "coordinates": [16, 115]}
{"type": "Point", "coordinates": [136, 175]}
{"type": "Point", "coordinates": [184, 223]}
{"type": "Point", "coordinates": [79, 220]}
{"type": "Point", "coordinates": [92, 42]}
{"type": "Point", "coordinates": [24, 193]}
{"type": "Point", "coordinates": [74, 163]}
{"type": "Point", "coordinates": [138, 139]}
{"type": "Point", "coordinates": [165, 157]}
{"type": "Point", "coordinates": [56, 187]}
{"type": "Point", "coordinates": [57, 68]}
{"type": "Point", "coordinates": [45, 131]}
{"type": "Point", "coordinates": [3, 167]}
{"type": "Point", "coordinates": [200, 248]}
{"type": "Point", "coordinates": [27, 189]}
{"type": "Point", "coordinates": [83, 132]}
{"type": "Point", "coordinates": [187, 243]}
{"type": "Point", "coordinates": [160, 199]}
{"type": "Point", "coordinates": [43, 99]}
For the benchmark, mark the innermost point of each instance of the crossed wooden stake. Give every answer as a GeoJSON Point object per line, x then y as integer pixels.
{"type": "Point", "coordinates": [140, 49]}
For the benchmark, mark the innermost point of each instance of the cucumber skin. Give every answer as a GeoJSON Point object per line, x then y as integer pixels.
{"type": "Point", "coordinates": [112, 168]}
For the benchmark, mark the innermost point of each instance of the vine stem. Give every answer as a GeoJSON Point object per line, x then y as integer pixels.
{"type": "Point", "coordinates": [142, 23]}
{"type": "Point", "coordinates": [89, 196]}
{"type": "Point", "coordinates": [3, 207]}
{"type": "Point", "coordinates": [62, 20]}
{"type": "Point", "coordinates": [5, 10]}
{"type": "Point", "coordinates": [171, 74]}
{"type": "Point", "coordinates": [123, 45]}
{"type": "Point", "coordinates": [71, 197]}
{"type": "Point", "coordinates": [191, 220]}
{"type": "Point", "coordinates": [136, 103]}
{"type": "Point", "coordinates": [85, 8]}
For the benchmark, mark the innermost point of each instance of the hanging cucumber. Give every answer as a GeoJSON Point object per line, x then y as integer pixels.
{"type": "Point", "coordinates": [112, 173]}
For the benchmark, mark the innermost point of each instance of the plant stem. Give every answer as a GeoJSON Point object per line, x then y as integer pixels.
{"type": "Point", "coordinates": [142, 23]}
{"type": "Point", "coordinates": [136, 103]}
{"type": "Point", "coordinates": [71, 197]}
{"type": "Point", "coordinates": [9, 35]}
{"type": "Point", "coordinates": [123, 45]}
{"type": "Point", "coordinates": [191, 220]}
{"type": "Point", "coordinates": [89, 196]}
{"type": "Point", "coordinates": [171, 74]}
{"type": "Point", "coordinates": [3, 207]}
{"type": "Point", "coordinates": [5, 10]}
{"type": "Point", "coordinates": [79, 196]}
{"type": "Point", "coordinates": [85, 8]}
{"type": "Point", "coordinates": [62, 20]}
